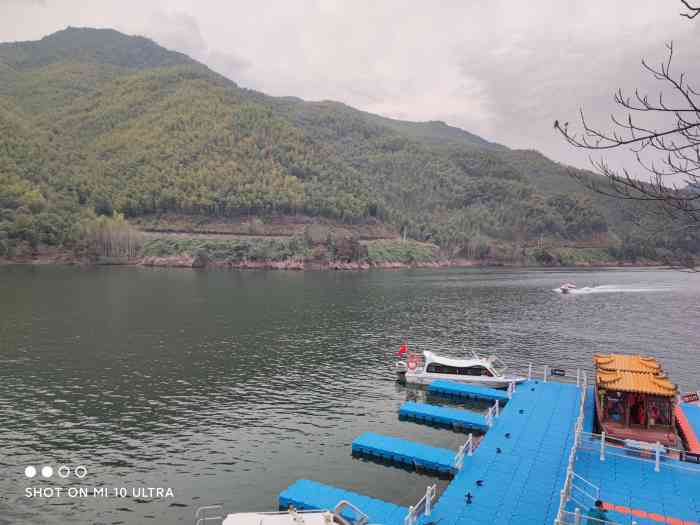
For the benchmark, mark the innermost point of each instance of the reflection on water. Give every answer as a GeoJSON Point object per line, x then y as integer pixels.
{"type": "Point", "coordinates": [227, 386]}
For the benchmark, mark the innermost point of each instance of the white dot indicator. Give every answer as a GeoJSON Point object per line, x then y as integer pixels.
{"type": "Point", "coordinates": [80, 471]}
{"type": "Point", "coordinates": [30, 471]}
{"type": "Point", "coordinates": [47, 471]}
{"type": "Point", "coordinates": [63, 471]}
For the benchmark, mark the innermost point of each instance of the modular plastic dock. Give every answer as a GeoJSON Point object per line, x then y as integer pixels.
{"type": "Point", "coordinates": [515, 475]}
{"type": "Point", "coordinates": [688, 417]}
{"type": "Point", "coordinates": [633, 491]}
{"type": "Point", "coordinates": [452, 389]}
{"type": "Point", "coordinates": [452, 417]}
{"type": "Point", "coordinates": [405, 452]}
{"type": "Point", "coordinates": [310, 495]}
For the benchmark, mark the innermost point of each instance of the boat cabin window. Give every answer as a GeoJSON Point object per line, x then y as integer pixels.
{"type": "Point", "coordinates": [636, 410]}
{"type": "Point", "coordinates": [437, 368]}
{"type": "Point", "coordinates": [614, 407]}
{"type": "Point", "coordinates": [659, 412]}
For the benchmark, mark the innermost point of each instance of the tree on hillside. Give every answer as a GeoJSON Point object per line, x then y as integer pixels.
{"type": "Point", "coordinates": [662, 134]}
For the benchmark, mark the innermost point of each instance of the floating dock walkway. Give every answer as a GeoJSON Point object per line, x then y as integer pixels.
{"type": "Point", "coordinates": [516, 474]}
{"type": "Point", "coordinates": [688, 417]}
{"type": "Point", "coordinates": [632, 491]}
{"type": "Point", "coordinates": [519, 469]}
{"type": "Point", "coordinates": [310, 495]}
{"type": "Point", "coordinates": [451, 417]}
{"type": "Point", "coordinates": [405, 452]}
{"type": "Point", "coordinates": [452, 389]}
{"type": "Point", "coordinates": [514, 477]}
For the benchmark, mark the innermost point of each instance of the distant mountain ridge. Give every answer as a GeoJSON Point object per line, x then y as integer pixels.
{"type": "Point", "coordinates": [99, 122]}
{"type": "Point", "coordinates": [102, 46]}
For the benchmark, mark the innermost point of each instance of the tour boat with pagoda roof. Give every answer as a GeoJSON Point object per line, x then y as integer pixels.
{"type": "Point", "coordinates": [635, 400]}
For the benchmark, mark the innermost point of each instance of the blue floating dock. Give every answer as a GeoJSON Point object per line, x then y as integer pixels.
{"type": "Point", "coordinates": [514, 477]}
{"type": "Point", "coordinates": [452, 417]}
{"type": "Point", "coordinates": [516, 474]}
{"type": "Point", "coordinates": [635, 492]}
{"type": "Point", "coordinates": [405, 452]}
{"type": "Point", "coordinates": [310, 495]}
{"type": "Point", "coordinates": [452, 389]}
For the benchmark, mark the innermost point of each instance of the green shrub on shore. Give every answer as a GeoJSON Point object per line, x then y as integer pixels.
{"type": "Point", "coordinates": [563, 256]}
{"type": "Point", "coordinates": [396, 251]}
{"type": "Point", "coordinates": [112, 237]}
{"type": "Point", "coordinates": [296, 247]}
{"type": "Point", "coordinates": [229, 250]}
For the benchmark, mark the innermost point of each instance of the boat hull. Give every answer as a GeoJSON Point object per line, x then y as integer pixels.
{"type": "Point", "coordinates": [425, 378]}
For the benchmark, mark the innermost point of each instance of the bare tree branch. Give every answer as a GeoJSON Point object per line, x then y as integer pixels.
{"type": "Point", "coordinates": [694, 11]}
{"type": "Point", "coordinates": [674, 146]}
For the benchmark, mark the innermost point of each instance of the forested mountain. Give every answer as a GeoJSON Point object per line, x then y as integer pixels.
{"type": "Point", "coordinates": [94, 122]}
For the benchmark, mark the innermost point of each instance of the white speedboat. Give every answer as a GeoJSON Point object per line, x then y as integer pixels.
{"type": "Point", "coordinates": [422, 368]}
{"type": "Point", "coordinates": [566, 288]}
{"type": "Point", "coordinates": [290, 517]}
{"type": "Point", "coordinates": [691, 398]}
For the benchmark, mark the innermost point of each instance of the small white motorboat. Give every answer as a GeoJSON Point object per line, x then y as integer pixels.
{"type": "Point", "coordinates": [566, 288]}
{"type": "Point", "coordinates": [289, 517]}
{"type": "Point", "coordinates": [422, 368]}
{"type": "Point", "coordinates": [691, 398]}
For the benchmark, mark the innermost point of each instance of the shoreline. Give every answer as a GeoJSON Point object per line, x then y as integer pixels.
{"type": "Point", "coordinates": [188, 261]}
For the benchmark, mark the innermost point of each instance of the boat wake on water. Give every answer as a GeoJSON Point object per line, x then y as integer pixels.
{"type": "Point", "coordinates": [607, 288]}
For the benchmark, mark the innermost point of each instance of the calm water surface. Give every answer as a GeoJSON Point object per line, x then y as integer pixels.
{"type": "Point", "coordinates": [227, 386]}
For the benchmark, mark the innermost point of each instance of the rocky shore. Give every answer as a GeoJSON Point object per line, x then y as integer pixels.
{"type": "Point", "coordinates": [188, 261]}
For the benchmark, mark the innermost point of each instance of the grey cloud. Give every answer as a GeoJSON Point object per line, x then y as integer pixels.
{"type": "Point", "coordinates": [181, 32]}
{"type": "Point", "coordinates": [177, 30]}
{"type": "Point", "coordinates": [23, 2]}
{"type": "Point", "coordinates": [538, 78]}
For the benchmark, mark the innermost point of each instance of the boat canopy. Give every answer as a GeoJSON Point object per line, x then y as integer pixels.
{"type": "Point", "coordinates": [627, 363]}
{"type": "Point", "coordinates": [474, 361]}
{"type": "Point", "coordinates": [641, 383]}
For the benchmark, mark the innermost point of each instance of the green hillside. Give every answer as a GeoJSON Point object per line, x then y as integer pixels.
{"type": "Point", "coordinates": [94, 122]}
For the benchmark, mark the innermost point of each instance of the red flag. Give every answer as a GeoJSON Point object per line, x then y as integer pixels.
{"type": "Point", "coordinates": [403, 349]}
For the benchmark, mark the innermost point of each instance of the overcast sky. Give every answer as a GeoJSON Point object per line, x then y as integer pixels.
{"type": "Point", "coordinates": [501, 69]}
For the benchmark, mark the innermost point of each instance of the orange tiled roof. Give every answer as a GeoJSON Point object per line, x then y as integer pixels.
{"type": "Point", "coordinates": [642, 383]}
{"type": "Point", "coordinates": [627, 363]}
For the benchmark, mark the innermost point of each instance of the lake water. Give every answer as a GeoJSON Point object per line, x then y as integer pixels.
{"type": "Point", "coordinates": [227, 386]}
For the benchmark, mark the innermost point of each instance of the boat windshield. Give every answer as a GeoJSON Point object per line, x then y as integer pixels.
{"type": "Point", "coordinates": [498, 366]}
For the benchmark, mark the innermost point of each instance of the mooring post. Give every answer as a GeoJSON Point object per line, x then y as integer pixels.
{"type": "Point", "coordinates": [602, 446]}
{"type": "Point", "coordinates": [577, 516]}
{"type": "Point", "coordinates": [529, 372]}
{"type": "Point", "coordinates": [545, 373]}
{"type": "Point", "coordinates": [657, 458]}
{"type": "Point", "coordinates": [470, 440]}
{"type": "Point", "coordinates": [578, 377]}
